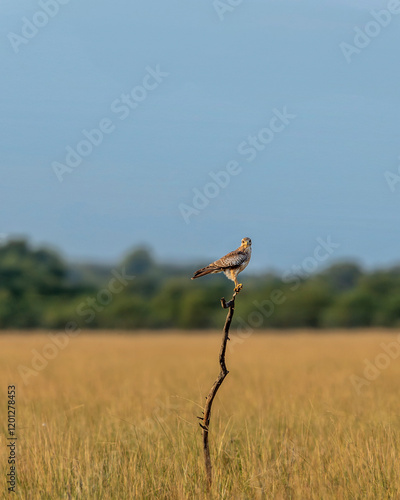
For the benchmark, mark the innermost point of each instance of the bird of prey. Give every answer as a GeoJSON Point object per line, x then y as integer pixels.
{"type": "Point", "coordinates": [231, 264]}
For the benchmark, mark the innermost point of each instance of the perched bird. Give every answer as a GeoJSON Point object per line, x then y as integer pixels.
{"type": "Point", "coordinates": [231, 264]}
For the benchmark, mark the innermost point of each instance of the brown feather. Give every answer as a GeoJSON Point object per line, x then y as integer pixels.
{"type": "Point", "coordinates": [206, 270]}
{"type": "Point", "coordinates": [231, 264]}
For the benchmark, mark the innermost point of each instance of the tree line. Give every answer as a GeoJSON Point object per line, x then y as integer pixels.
{"type": "Point", "coordinates": [39, 289]}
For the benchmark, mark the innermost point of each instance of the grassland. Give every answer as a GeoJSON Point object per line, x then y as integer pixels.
{"type": "Point", "coordinates": [113, 416]}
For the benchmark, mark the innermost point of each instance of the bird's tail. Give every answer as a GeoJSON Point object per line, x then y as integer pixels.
{"type": "Point", "coordinates": [206, 270]}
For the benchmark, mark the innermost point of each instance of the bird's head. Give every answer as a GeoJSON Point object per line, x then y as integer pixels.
{"type": "Point", "coordinates": [246, 242]}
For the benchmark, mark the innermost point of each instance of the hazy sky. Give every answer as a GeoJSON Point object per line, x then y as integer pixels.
{"type": "Point", "coordinates": [296, 101]}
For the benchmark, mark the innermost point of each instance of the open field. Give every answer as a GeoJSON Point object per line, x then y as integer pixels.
{"type": "Point", "coordinates": [114, 416]}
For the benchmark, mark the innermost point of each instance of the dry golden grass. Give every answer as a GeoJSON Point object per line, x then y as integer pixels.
{"type": "Point", "coordinates": [114, 417]}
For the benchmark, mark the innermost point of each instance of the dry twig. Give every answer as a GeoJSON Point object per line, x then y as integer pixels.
{"type": "Point", "coordinates": [205, 419]}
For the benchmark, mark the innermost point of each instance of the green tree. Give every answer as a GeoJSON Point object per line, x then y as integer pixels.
{"type": "Point", "coordinates": [352, 309]}
{"type": "Point", "coordinates": [138, 262]}
{"type": "Point", "coordinates": [341, 277]}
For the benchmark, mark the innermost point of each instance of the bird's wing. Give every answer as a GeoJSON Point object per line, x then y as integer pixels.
{"type": "Point", "coordinates": [232, 259]}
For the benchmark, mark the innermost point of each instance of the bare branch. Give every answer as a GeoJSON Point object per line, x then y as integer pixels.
{"type": "Point", "coordinates": [217, 384]}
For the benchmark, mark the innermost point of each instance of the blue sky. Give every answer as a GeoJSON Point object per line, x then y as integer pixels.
{"type": "Point", "coordinates": [224, 79]}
